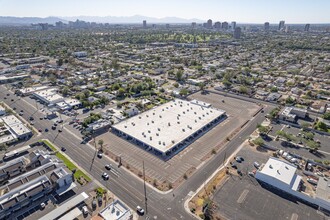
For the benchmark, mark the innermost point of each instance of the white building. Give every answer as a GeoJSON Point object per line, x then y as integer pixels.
{"type": "Point", "coordinates": [170, 127]}
{"type": "Point", "coordinates": [13, 129]}
{"type": "Point", "coordinates": [80, 54]}
{"type": "Point", "coordinates": [291, 113]}
{"type": "Point", "coordinates": [282, 176]}
{"type": "Point", "coordinates": [116, 211]}
{"type": "Point", "coordinates": [49, 96]}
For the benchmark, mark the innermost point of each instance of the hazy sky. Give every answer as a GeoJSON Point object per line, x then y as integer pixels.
{"type": "Point", "coordinates": [252, 11]}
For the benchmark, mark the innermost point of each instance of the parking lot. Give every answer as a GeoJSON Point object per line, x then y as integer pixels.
{"type": "Point", "coordinates": [192, 156]}
{"type": "Point", "coordinates": [244, 198]}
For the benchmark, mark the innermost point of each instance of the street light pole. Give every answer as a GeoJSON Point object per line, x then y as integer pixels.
{"type": "Point", "coordinates": [145, 189]}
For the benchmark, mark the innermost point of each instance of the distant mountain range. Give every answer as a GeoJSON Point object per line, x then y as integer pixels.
{"type": "Point", "coordinates": [107, 19]}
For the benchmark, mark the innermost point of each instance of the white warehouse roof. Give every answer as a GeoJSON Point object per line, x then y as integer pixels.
{"type": "Point", "coordinates": [167, 125]}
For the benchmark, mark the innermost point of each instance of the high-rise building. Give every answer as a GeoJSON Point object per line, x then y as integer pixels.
{"type": "Point", "coordinates": [217, 25]}
{"type": "Point", "coordinates": [193, 24]}
{"type": "Point", "coordinates": [144, 24]}
{"type": "Point", "coordinates": [281, 25]}
{"type": "Point", "coordinates": [233, 25]}
{"type": "Point", "coordinates": [237, 33]}
{"type": "Point", "coordinates": [225, 25]}
{"type": "Point", "coordinates": [307, 26]}
{"type": "Point", "coordinates": [167, 25]}
{"type": "Point", "coordinates": [209, 23]}
{"type": "Point", "coordinates": [266, 26]}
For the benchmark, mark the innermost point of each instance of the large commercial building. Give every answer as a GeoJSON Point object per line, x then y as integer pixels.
{"type": "Point", "coordinates": [171, 127]}
{"type": "Point", "coordinates": [144, 24]}
{"type": "Point", "coordinates": [307, 26]}
{"type": "Point", "coordinates": [266, 26]}
{"type": "Point", "coordinates": [283, 176]}
{"type": "Point", "coordinates": [237, 33]}
{"type": "Point", "coordinates": [281, 25]}
{"type": "Point", "coordinates": [209, 23]}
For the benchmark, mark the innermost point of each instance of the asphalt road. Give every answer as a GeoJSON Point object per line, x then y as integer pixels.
{"type": "Point", "coordinates": [126, 186]}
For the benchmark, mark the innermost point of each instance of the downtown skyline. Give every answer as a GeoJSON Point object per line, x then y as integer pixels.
{"type": "Point", "coordinates": [242, 11]}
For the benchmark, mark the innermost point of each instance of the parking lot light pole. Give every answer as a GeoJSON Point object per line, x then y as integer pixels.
{"type": "Point", "coordinates": [145, 189]}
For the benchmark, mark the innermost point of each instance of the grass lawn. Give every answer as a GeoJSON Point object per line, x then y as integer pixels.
{"type": "Point", "coordinates": [68, 163]}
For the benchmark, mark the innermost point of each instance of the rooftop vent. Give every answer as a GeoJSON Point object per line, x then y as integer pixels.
{"type": "Point", "coordinates": [139, 117]}
{"type": "Point", "coordinates": [160, 116]}
{"type": "Point", "coordinates": [157, 134]}
{"type": "Point", "coordinates": [178, 122]}
{"type": "Point", "coordinates": [270, 166]}
{"type": "Point", "coordinates": [184, 112]}
{"type": "Point", "coordinates": [183, 130]}
{"type": "Point", "coordinates": [152, 121]}
{"type": "Point", "coordinates": [195, 121]}
{"type": "Point", "coordinates": [150, 138]}
{"type": "Point", "coordinates": [159, 142]}
{"type": "Point", "coordinates": [125, 126]}
{"type": "Point", "coordinates": [147, 116]}
{"type": "Point", "coordinates": [149, 131]}
{"type": "Point", "coordinates": [153, 113]}
{"type": "Point", "coordinates": [169, 124]}
{"type": "Point", "coordinates": [164, 143]}
{"type": "Point", "coordinates": [158, 129]}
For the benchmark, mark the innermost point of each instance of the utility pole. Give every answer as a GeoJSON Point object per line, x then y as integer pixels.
{"type": "Point", "coordinates": [145, 189]}
{"type": "Point", "coordinates": [224, 158]}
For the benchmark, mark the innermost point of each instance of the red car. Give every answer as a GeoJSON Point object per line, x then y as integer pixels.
{"type": "Point", "coordinates": [40, 130]}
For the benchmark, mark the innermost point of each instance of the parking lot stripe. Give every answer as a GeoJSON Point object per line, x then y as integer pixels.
{"type": "Point", "coordinates": [243, 196]}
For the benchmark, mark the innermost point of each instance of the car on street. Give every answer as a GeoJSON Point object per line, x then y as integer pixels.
{"type": "Point", "coordinates": [140, 210]}
{"type": "Point", "coordinates": [63, 149]}
{"type": "Point", "coordinates": [12, 100]}
{"type": "Point", "coordinates": [53, 127]}
{"type": "Point", "coordinates": [105, 176]}
{"type": "Point", "coordinates": [46, 130]}
{"type": "Point", "coordinates": [59, 121]}
{"type": "Point", "coordinates": [31, 118]}
{"type": "Point", "coordinates": [41, 118]}
{"type": "Point", "coordinates": [55, 124]}
{"type": "Point", "coordinates": [40, 130]}
{"type": "Point", "coordinates": [99, 155]}
{"type": "Point", "coordinates": [108, 167]}
{"type": "Point", "coordinates": [31, 123]}
{"type": "Point", "coordinates": [21, 113]}
{"type": "Point", "coordinates": [251, 174]}
{"type": "Point", "coordinates": [5, 97]}
{"type": "Point", "coordinates": [14, 108]}
{"type": "Point", "coordinates": [45, 117]}
{"type": "Point", "coordinates": [59, 130]}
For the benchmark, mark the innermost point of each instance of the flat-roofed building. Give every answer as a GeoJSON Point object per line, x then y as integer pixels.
{"type": "Point", "coordinates": [291, 114]}
{"type": "Point", "coordinates": [170, 127]}
{"type": "Point", "coordinates": [13, 129]}
{"type": "Point", "coordinates": [116, 211]}
{"type": "Point", "coordinates": [49, 96]}
{"type": "Point", "coordinates": [30, 90]}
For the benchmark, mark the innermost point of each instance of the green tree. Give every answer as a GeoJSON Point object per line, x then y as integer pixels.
{"type": "Point", "coordinates": [179, 75]}
{"type": "Point", "coordinates": [304, 125]}
{"type": "Point", "coordinates": [183, 92]}
{"type": "Point", "coordinates": [3, 147]}
{"type": "Point", "coordinates": [259, 142]}
{"type": "Point", "coordinates": [326, 116]}
{"type": "Point", "coordinates": [262, 129]}
{"type": "Point", "coordinates": [121, 92]}
{"type": "Point", "coordinates": [321, 126]}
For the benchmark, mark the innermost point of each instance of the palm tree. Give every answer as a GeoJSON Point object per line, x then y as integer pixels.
{"type": "Point", "coordinates": [101, 142]}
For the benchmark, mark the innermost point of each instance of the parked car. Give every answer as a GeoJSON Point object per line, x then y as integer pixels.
{"type": "Point", "coordinates": [99, 155]}
{"type": "Point", "coordinates": [234, 165]}
{"type": "Point", "coordinates": [63, 149]}
{"type": "Point", "coordinates": [239, 173]}
{"type": "Point", "coordinates": [84, 210]}
{"type": "Point", "coordinates": [42, 205]}
{"type": "Point", "coordinates": [108, 166]}
{"type": "Point", "coordinates": [256, 164]}
{"type": "Point", "coordinates": [239, 159]}
{"type": "Point", "coordinates": [140, 210]}
{"type": "Point", "coordinates": [46, 129]}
